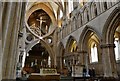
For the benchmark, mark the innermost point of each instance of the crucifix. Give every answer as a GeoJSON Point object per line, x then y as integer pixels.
{"type": "Point", "coordinates": [40, 21]}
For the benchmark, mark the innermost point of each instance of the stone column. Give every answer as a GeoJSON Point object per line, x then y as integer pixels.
{"type": "Point", "coordinates": [15, 39]}
{"type": "Point", "coordinates": [11, 23]}
{"type": "Point", "coordinates": [61, 63]}
{"type": "Point", "coordinates": [23, 46]}
{"type": "Point", "coordinates": [108, 59]}
{"type": "Point", "coordinates": [1, 54]}
{"type": "Point", "coordinates": [58, 62]}
{"type": "Point", "coordinates": [7, 37]}
{"type": "Point", "coordinates": [54, 48]}
{"type": "Point", "coordinates": [5, 21]}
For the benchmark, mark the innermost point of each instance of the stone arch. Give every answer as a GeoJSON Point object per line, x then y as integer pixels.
{"type": "Point", "coordinates": [48, 48]}
{"type": "Point", "coordinates": [83, 37]}
{"type": "Point", "coordinates": [110, 26]}
{"type": "Point", "coordinates": [45, 8]}
{"type": "Point", "coordinates": [33, 43]}
{"type": "Point", "coordinates": [86, 39]}
{"type": "Point", "coordinates": [107, 46]}
{"type": "Point", "coordinates": [69, 42]}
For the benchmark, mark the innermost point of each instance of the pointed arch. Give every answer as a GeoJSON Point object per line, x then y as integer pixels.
{"type": "Point", "coordinates": [70, 40]}
{"type": "Point", "coordinates": [110, 26]}
{"type": "Point", "coordinates": [86, 14]}
{"type": "Point", "coordinates": [48, 48]}
{"type": "Point", "coordinates": [87, 32]}
{"type": "Point", "coordinates": [43, 7]}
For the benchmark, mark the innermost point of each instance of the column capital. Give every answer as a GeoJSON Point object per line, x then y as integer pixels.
{"type": "Point", "coordinates": [107, 45]}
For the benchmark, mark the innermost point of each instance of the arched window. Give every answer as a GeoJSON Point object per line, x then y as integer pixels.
{"type": "Point", "coordinates": [73, 47]}
{"type": "Point", "coordinates": [70, 5]}
{"type": "Point", "coordinates": [49, 61]}
{"type": "Point", "coordinates": [87, 15]}
{"type": "Point", "coordinates": [95, 10]}
{"type": "Point", "coordinates": [62, 3]}
{"type": "Point", "coordinates": [61, 14]}
{"type": "Point", "coordinates": [117, 47]}
{"type": "Point", "coordinates": [105, 5]}
{"type": "Point", "coordinates": [81, 19]}
{"type": "Point", "coordinates": [94, 53]}
{"type": "Point", "coordinates": [64, 61]}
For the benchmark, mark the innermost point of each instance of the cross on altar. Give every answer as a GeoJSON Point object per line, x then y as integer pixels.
{"type": "Point", "coordinates": [40, 21]}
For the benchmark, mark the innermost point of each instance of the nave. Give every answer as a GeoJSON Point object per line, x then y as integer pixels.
{"type": "Point", "coordinates": [63, 40]}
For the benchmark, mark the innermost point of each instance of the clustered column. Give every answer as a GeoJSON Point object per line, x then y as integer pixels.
{"type": "Point", "coordinates": [108, 59]}
{"type": "Point", "coordinates": [11, 24]}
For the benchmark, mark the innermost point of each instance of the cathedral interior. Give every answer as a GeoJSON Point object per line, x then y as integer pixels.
{"type": "Point", "coordinates": [70, 39]}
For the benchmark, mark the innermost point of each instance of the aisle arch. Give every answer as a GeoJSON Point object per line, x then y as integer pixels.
{"type": "Point", "coordinates": [48, 48]}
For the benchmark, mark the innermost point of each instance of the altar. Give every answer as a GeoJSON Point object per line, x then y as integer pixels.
{"type": "Point", "coordinates": [45, 75]}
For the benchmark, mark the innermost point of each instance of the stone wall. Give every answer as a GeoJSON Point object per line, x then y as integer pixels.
{"type": "Point", "coordinates": [75, 27]}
